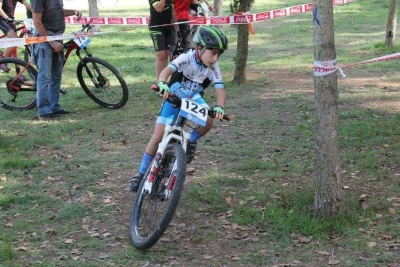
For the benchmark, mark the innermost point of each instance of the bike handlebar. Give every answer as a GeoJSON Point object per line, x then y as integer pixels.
{"type": "Point", "coordinates": [18, 23]}
{"type": "Point", "coordinates": [176, 101]}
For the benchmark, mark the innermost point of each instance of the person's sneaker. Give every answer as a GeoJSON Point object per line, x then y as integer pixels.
{"type": "Point", "coordinates": [4, 68]}
{"type": "Point", "coordinates": [135, 182]}
{"type": "Point", "coordinates": [61, 112]}
{"type": "Point", "coordinates": [190, 151]}
{"type": "Point", "coordinates": [50, 116]}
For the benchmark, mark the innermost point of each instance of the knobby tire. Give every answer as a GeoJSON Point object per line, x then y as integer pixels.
{"type": "Point", "coordinates": [18, 94]}
{"type": "Point", "coordinates": [102, 82]}
{"type": "Point", "coordinates": [151, 214]}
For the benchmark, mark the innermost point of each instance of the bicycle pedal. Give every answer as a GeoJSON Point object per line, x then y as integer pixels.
{"type": "Point", "coordinates": [64, 91]}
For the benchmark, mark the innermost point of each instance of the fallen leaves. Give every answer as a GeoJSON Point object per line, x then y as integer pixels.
{"type": "Point", "coordinates": [333, 262]}
{"type": "Point", "coordinates": [68, 241]}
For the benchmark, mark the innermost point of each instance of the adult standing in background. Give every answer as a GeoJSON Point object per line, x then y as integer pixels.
{"type": "Point", "coordinates": [182, 15]}
{"type": "Point", "coordinates": [162, 15]}
{"type": "Point", "coordinates": [48, 19]}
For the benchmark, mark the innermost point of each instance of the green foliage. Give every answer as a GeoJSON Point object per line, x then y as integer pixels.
{"type": "Point", "coordinates": [6, 252]}
{"type": "Point", "coordinates": [235, 5]}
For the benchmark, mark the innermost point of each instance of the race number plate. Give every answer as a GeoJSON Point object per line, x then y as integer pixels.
{"type": "Point", "coordinates": [194, 112]}
{"type": "Point", "coordinates": [82, 41]}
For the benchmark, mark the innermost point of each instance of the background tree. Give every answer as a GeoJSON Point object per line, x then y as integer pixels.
{"type": "Point", "coordinates": [240, 75]}
{"type": "Point", "coordinates": [94, 12]}
{"type": "Point", "coordinates": [218, 10]}
{"type": "Point", "coordinates": [329, 198]}
{"type": "Point", "coordinates": [392, 23]}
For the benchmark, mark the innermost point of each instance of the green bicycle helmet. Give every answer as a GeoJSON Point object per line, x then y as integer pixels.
{"type": "Point", "coordinates": [211, 37]}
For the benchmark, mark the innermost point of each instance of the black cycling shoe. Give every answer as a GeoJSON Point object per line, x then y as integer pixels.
{"type": "Point", "coordinates": [135, 182]}
{"type": "Point", "coordinates": [190, 151]}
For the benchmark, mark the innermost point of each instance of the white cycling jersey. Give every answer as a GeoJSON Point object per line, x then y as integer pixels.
{"type": "Point", "coordinates": [193, 76]}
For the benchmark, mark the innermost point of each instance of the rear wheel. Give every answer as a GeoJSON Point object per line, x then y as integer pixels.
{"type": "Point", "coordinates": [18, 85]}
{"type": "Point", "coordinates": [152, 211]}
{"type": "Point", "coordinates": [102, 82]}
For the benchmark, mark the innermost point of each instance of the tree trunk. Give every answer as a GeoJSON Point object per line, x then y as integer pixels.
{"type": "Point", "coordinates": [94, 12]}
{"type": "Point", "coordinates": [242, 50]}
{"type": "Point", "coordinates": [329, 198]}
{"type": "Point", "coordinates": [391, 25]}
{"type": "Point", "coordinates": [218, 10]}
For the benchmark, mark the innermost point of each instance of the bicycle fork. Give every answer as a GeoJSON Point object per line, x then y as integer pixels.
{"type": "Point", "coordinates": [155, 167]}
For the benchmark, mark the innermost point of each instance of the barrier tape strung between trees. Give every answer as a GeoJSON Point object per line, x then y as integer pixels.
{"type": "Point", "coordinates": [321, 68]}
{"type": "Point", "coordinates": [11, 42]}
{"type": "Point", "coordinates": [212, 20]}
{"type": "Point", "coordinates": [246, 18]}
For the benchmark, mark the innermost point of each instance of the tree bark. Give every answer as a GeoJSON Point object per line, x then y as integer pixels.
{"type": "Point", "coordinates": [242, 50]}
{"type": "Point", "coordinates": [391, 25]}
{"type": "Point", "coordinates": [218, 10]}
{"type": "Point", "coordinates": [329, 198]}
{"type": "Point", "coordinates": [94, 12]}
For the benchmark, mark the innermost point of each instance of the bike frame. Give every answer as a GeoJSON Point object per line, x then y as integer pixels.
{"type": "Point", "coordinates": [71, 46]}
{"type": "Point", "coordinates": [172, 133]}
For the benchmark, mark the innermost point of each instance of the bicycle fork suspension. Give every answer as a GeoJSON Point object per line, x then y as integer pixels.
{"type": "Point", "coordinates": [155, 170]}
{"type": "Point", "coordinates": [98, 79]}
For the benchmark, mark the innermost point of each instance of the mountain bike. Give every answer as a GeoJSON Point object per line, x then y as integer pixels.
{"type": "Point", "coordinates": [101, 81]}
{"type": "Point", "coordinates": [159, 192]}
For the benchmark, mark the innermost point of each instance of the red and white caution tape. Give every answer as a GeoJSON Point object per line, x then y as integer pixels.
{"type": "Point", "coordinates": [323, 68]}
{"type": "Point", "coordinates": [11, 42]}
{"type": "Point", "coordinates": [213, 20]}
{"type": "Point", "coordinates": [234, 19]}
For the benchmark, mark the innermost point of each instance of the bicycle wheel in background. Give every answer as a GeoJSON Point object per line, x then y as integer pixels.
{"type": "Point", "coordinates": [102, 82]}
{"type": "Point", "coordinates": [152, 213]}
{"type": "Point", "coordinates": [18, 85]}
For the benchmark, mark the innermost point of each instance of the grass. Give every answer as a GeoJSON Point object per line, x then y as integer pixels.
{"type": "Point", "coordinates": [63, 184]}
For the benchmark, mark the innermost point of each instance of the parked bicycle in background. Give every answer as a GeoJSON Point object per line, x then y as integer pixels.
{"type": "Point", "coordinates": [101, 81]}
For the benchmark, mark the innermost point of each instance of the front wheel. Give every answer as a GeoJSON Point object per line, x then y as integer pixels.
{"type": "Point", "coordinates": [102, 82]}
{"type": "Point", "coordinates": [17, 84]}
{"type": "Point", "coordinates": [152, 211]}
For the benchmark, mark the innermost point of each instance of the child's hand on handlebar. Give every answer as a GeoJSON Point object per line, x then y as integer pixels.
{"type": "Point", "coordinates": [164, 89]}
{"type": "Point", "coordinates": [219, 112]}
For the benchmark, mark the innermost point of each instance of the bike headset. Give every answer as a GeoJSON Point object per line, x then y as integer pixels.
{"type": "Point", "coordinates": [209, 37]}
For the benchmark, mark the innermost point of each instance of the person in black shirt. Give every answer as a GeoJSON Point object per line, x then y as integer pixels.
{"type": "Point", "coordinates": [162, 15]}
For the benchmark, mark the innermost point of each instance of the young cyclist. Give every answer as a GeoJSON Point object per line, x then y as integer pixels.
{"type": "Point", "coordinates": [192, 70]}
